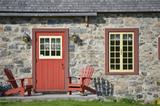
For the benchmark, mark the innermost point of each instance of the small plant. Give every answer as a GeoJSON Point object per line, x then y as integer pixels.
{"type": "Point", "coordinates": [126, 100]}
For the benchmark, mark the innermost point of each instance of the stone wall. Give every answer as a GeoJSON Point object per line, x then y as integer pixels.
{"type": "Point", "coordinates": [16, 54]}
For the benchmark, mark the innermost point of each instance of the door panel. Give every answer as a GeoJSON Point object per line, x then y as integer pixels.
{"type": "Point", "coordinates": [49, 67]}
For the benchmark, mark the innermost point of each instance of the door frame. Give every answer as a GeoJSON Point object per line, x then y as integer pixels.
{"type": "Point", "coordinates": [66, 32]}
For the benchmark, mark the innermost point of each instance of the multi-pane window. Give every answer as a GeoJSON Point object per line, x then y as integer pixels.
{"type": "Point", "coordinates": [50, 47]}
{"type": "Point", "coordinates": [121, 51]}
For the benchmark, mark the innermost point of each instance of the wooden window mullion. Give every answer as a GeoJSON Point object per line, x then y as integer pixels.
{"type": "Point", "coordinates": [50, 47]}
{"type": "Point", "coordinates": [121, 52]}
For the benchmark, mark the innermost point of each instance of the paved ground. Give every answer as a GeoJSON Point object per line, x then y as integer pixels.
{"type": "Point", "coordinates": [50, 97]}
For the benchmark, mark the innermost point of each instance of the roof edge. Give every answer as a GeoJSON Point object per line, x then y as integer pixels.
{"type": "Point", "coordinates": [47, 14]}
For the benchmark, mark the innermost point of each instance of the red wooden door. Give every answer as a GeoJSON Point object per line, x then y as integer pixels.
{"type": "Point", "coordinates": [50, 64]}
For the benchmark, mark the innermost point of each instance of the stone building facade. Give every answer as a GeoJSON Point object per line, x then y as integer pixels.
{"type": "Point", "coordinates": [16, 54]}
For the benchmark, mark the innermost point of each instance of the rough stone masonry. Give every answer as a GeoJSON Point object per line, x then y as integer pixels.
{"type": "Point", "coordinates": [17, 55]}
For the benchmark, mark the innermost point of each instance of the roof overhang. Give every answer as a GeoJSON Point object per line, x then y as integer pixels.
{"type": "Point", "coordinates": [38, 14]}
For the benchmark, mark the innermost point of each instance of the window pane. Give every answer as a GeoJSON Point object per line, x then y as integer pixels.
{"type": "Point", "coordinates": [46, 53]}
{"type": "Point", "coordinates": [42, 53]}
{"type": "Point", "coordinates": [112, 60]}
{"type": "Point", "coordinates": [130, 42]}
{"type": "Point", "coordinates": [129, 48]}
{"type": "Point", "coordinates": [57, 53]}
{"type": "Point", "coordinates": [117, 42]}
{"type": "Point", "coordinates": [46, 40]}
{"type": "Point", "coordinates": [124, 54]}
{"type": "Point", "coordinates": [124, 36]}
{"type": "Point", "coordinates": [129, 66]}
{"type": "Point", "coordinates": [117, 54]}
{"type": "Point", "coordinates": [124, 67]}
{"type": "Point", "coordinates": [53, 40]}
{"type": "Point", "coordinates": [58, 47]}
{"type": "Point", "coordinates": [53, 53]}
{"type": "Point", "coordinates": [46, 46]}
{"type": "Point", "coordinates": [117, 48]}
{"type": "Point", "coordinates": [129, 60]}
{"type": "Point", "coordinates": [52, 46]}
{"type": "Point", "coordinates": [125, 43]}
{"type": "Point", "coordinates": [112, 55]}
{"type": "Point", "coordinates": [117, 60]}
{"type": "Point", "coordinates": [129, 54]}
{"type": "Point", "coordinates": [112, 48]}
{"type": "Point", "coordinates": [42, 47]}
{"type": "Point", "coordinates": [124, 60]}
{"type": "Point", "coordinates": [117, 37]}
{"type": "Point", "coordinates": [58, 40]}
{"type": "Point", "coordinates": [112, 36]}
{"type": "Point", "coordinates": [112, 42]}
{"type": "Point", "coordinates": [124, 48]}
{"type": "Point", "coordinates": [117, 67]}
{"type": "Point", "coordinates": [129, 36]}
{"type": "Point", "coordinates": [41, 40]}
{"type": "Point", "coordinates": [112, 67]}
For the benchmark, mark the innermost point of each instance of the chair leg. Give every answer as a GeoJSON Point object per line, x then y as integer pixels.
{"type": "Point", "coordinates": [82, 92]}
{"type": "Point", "coordinates": [70, 92]}
{"type": "Point", "coordinates": [22, 92]}
{"type": "Point", "coordinates": [29, 92]}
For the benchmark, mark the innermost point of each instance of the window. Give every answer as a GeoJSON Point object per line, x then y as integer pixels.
{"type": "Point", "coordinates": [121, 54]}
{"type": "Point", "coordinates": [159, 48]}
{"type": "Point", "coordinates": [50, 47]}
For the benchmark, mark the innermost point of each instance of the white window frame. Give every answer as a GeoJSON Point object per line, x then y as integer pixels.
{"type": "Point", "coordinates": [121, 52]}
{"type": "Point", "coordinates": [51, 57]}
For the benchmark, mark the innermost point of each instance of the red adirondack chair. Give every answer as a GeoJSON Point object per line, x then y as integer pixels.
{"type": "Point", "coordinates": [84, 80]}
{"type": "Point", "coordinates": [15, 88]}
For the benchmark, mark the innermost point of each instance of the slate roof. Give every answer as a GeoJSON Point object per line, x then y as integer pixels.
{"type": "Point", "coordinates": [55, 7]}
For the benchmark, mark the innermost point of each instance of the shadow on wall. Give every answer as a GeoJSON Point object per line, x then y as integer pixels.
{"type": "Point", "coordinates": [103, 87]}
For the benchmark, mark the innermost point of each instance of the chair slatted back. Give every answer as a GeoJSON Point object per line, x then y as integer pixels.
{"type": "Point", "coordinates": [87, 72]}
{"type": "Point", "coordinates": [11, 78]}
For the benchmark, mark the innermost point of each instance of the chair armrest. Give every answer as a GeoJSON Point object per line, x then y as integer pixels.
{"type": "Point", "coordinates": [83, 78]}
{"type": "Point", "coordinates": [71, 77]}
{"type": "Point", "coordinates": [18, 79]}
{"type": "Point", "coordinates": [15, 79]}
{"type": "Point", "coordinates": [74, 77]}
{"type": "Point", "coordinates": [21, 80]}
{"type": "Point", "coordinates": [28, 78]}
